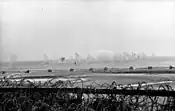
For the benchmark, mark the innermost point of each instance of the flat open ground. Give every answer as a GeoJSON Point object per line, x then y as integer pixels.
{"type": "Point", "coordinates": [102, 78]}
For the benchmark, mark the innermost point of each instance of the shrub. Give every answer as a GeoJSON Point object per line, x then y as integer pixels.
{"type": "Point", "coordinates": [105, 69]}
{"type": "Point", "coordinates": [49, 70]}
{"type": "Point", "coordinates": [131, 68]}
{"type": "Point", "coordinates": [71, 70]}
{"type": "Point", "coordinates": [150, 67]}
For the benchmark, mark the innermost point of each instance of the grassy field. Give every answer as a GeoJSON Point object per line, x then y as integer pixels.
{"type": "Point", "coordinates": [101, 78]}
{"type": "Point", "coordinates": [98, 77]}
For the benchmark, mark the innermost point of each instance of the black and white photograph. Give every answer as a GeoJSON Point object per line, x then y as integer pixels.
{"type": "Point", "coordinates": [87, 55]}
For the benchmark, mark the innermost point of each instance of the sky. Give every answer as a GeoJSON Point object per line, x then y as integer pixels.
{"type": "Point", "coordinates": [31, 28]}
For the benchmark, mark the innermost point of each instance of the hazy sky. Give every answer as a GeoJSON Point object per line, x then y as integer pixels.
{"type": "Point", "coordinates": [30, 29]}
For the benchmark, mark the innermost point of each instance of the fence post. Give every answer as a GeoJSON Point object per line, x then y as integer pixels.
{"type": "Point", "coordinates": [122, 103]}
{"type": "Point", "coordinates": [173, 104]}
{"type": "Point", "coordinates": [79, 95]}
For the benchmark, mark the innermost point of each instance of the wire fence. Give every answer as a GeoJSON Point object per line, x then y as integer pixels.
{"type": "Point", "coordinates": [75, 95]}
